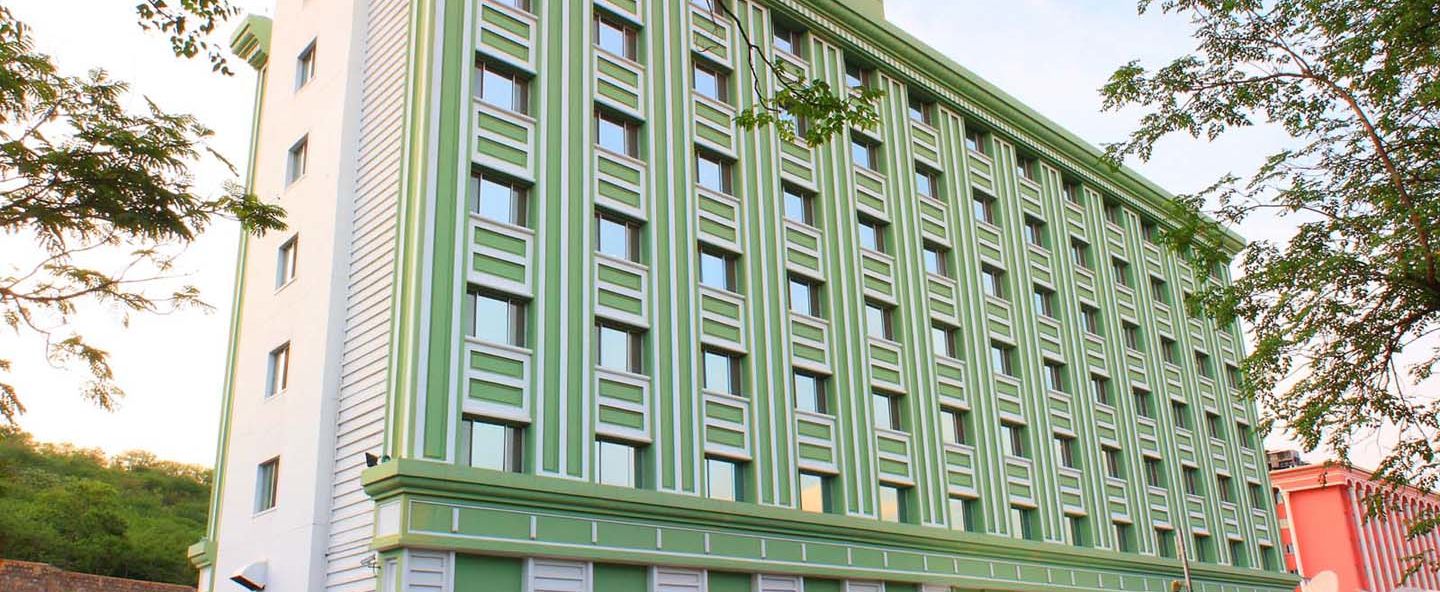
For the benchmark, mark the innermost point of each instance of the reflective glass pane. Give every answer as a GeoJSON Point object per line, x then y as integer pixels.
{"type": "Point", "coordinates": [721, 481]}
{"type": "Point", "coordinates": [617, 464]}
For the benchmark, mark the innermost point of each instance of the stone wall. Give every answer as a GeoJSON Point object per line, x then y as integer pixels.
{"type": "Point", "coordinates": [25, 576]}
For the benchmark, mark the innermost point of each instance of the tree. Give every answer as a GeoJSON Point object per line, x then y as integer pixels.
{"type": "Point", "coordinates": [91, 182]}
{"type": "Point", "coordinates": [1356, 84]}
{"type": "Point", "coordinates": [127, 516]}
{"type": "Point", "coordinates": [809, 112]}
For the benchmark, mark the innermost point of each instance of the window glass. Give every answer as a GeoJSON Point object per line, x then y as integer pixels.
{"type": "Point", "coordinates": [267, 478]}
{"type": "Point", "coordinates": [872, 236]}
{"type": "Point", "coordinates": [619, 464]}
{"type": "Point", "coordinates": [961, 517]}
{"type": "Point", "coordinates": [863, 154]}
{"type": "Point", "coordinates": [943, 339]}
{"type": "Point", "coordinates": [993, 282]}
{"type": "Point", "coordinates": [798, 207]}
{"type": "Point", "coordinates": [722, 479]}
{"type": "Point", "coordinates": [892, 504]}
{"type": "Point", "coordinates": [615, 37]}
{"type": "Point", "coordinates": [814, 493]}
{"type": "Point", "coordinates": [935, 261]}
{"type": "Point", "coordinates": [954, 420]}
{"type": "Point", "coordinates": [501, 89]}
{"type": "Point", "coordinates": [278, 371]}
{"type": "Point", "coordinates": [494, 446]}
{"type": "Point", "coordinates": [616, 135]}
{"type": "Point", "coordinates": [926, 184]}
{"type": "Point", "coordinates": [497, 200]}
{"type": "Point", "coordinates": [618, 349]}
{"type": "Point", "coordinates": [887, 411]}
{"type": "Point", "coordinates": [810, 393]}
{"type": "Point", "coordinates": [877, 322]}
{"type": "Point", "coordinates": [1000, 359]}
{"type": "Point", "coordinates": [984, 208]}
{"type": "Point", "coordinates": [722, 373]}
{"type": "Point", "coordinates": [711, 83]}
{"type": "Point", "coordinates": [496, 319]}
{"type": "Point", "coordinates": [712, 173]}
{"type": "Point", "coordinates": [717, 270]}
{"type": "Point", "coordinates": [618, 239]}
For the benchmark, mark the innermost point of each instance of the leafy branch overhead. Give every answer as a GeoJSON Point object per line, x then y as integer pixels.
{"type": "Point", "coordinates": [189, 26]}
{"type": "Point", "coordinates": [1345, 314]}
{"type": "Point", "coordinates": [106, 196]}
{"type": "Point", "coordinates": [806, 112]}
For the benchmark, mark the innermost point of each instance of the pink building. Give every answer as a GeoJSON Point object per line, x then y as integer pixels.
{"type": "Point", "coordinates": [1324, 528]}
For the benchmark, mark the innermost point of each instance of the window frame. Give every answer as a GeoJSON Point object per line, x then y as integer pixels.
{"type": "Point", "coordinates": [720, 76]}
{"type": "Point", "coordinates": [306, 65]}
{"type": "Point", "coordinates": [287, 257]}
{"type": "Point", "coordinates": [277, 371]}
{"type": "Point", "coordinates": [631, 230]}
{"type": "Point", "coordinates": [634, 345]}
{"type": "Point", "coordinates": [821, 399]}
{"type": "Point", "coordinates": [636, 468]}
{"type": "Point", "coordinates": [630, 36]}
{"type": "Point", "coordinates": [729, 263]}
{"type": "Point", "coordinates": [734, 374]}
{"type": "Point", "coordinates": [519, 100]}
{"type": "Point", "coordinates": [519, 198]}
{"type": "Point", "coordinates": [297, 161]}
{"type": "Point", "coordinates": [267, 486]}
{"type": "Point", "coordinates": [515, 311]}
{"type": "Point", "coordinates": [512, 459]}
{"type": "Point", "coordinates": [629, 130]}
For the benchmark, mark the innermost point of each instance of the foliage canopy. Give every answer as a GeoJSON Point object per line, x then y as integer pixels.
{"type": "Point", "coordinates": [130, 516]}
{"type": "Point", "coordinates": [1356, 84]}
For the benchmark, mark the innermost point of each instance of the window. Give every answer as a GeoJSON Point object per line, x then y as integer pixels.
{"type": "Point", "coordinates": [1013, 436]}
{"type": "Point", "coordinates": [619, 349]}
{"type": "Point", "coordinates": [1071, 192]}
{"type": "Point", "coordinates": [1204, 549]}
{"type": "Point", "coordinates": [1143, 405]}
{"type": "Point", "coordinates": [1153, 476]}
{"type": "Point", "coordinates": [856, 76]}
{"type": "Point", "coordinates": [305, 66]}
{"type": "Point", "coordinates": [1122, 272]}
{"type": "Point", "coordinates": [717, 270]}
{"type": "Point", "coordinates": [1132, 336]}
{"type": "Point", "coordinates": [1114, 465]}
{"type": "Point", "coordinates": [872, 235]}
{"type": "Point", "coordinates": [888, 413]}
{"type": "Point", "coordinates": [722, 372]}
{"type": "Point", "coordinates": [1022, 523]}
{"type": "Point", "coordinates": [1044, 302]}
{"type": "Point", "coordinates": [497, 199]}
{"type": "Point", "coordinates": [788, 40]}
{"type": "Point", "coordinates": [927, 183]}
{"type": "Point", "coordinates": [814, 492]}
{"type": "Point", "coordinates": [1079, 531]}
{"type": "Point", "coordinates": [285, 261]}
{"type": "Point", "coordinates": [713, 173]}
{"type": "Point", "coordinates": [1203, 365]}
{"type": "Point", "coordinates": [1150, 231]}
{"type": "Point", "coordinates": [879, 321]}
{"type": "Point", "coordinates": [1192, 480]}
{"type": "Point", "coordinates": [1232, 376]}
{"type": "Point", "coordinates": [1158, 291]}
{"type": "Point", "coordinates": [1065, 449]}
{"type": "Point", "coordinates": [975, 142]}
{"type": "Point", "coordinates": [1054, 376]}
{"type": "Point", "coordinates": [516, 4]}
{"type": "Point", "coordinates": [1223, 487]}
{"type": "Point", "coordinates": [810, 393]}
{"type": "Point", "coordinates": [1267, 558]}
{"type": "Point", "coordinates": [616, 37]}
{"type": "Point", "coordinates": [935, 257]}
{"type": "Point", "coordinates": [1257, 496]}
{"type": "Point", "coordinates": [955, 425]}
{"type": "Point", "coordinates": [804, 297]}
{"type": "Point", "coordinates": [1035, 232]}
{"type": "Point", "coordinates": [618, 463]}
{"type": "Point", "coordinates": [984, 207]}
{"type": "Point", "coordinates": [962, 514]}
{"type": "Point", "coordinates": [1080, 250]}
{"type": "Point", "coordinates": [892, 503]}
{"type": "Point", "coordinates": [1237, 554]}
{"type": "Point", "coordinates": [1181, 415]}
{"type": "Point", "coordinates": [494, 446]}
{"type": "Point", "coordinates": [1113, 213]}
{"type": "Point", "coordinates": [297, 160]}
{"type": "Point", "coordinates": [1165, 541]}
{"type": "Point", "coordinates": [711, 82]}
{"type": "Point", "coordinates": [1026, 167]}
{"type": "Point", "coordinates": [501, 88]}
{"type": "Point", "coordinates": [1212, 426]}
{"type": "Point", "coordinates": [277, 372]}
{"type": "Point", "coordinates": [1000, 361]}
{"type": "Point", "coordinates": [1124, 540]}
{"type": "Point", "coordinates": [617, 134]}
{"type": "Point", "coordinates": [943, 339]}
{"type": "Point", "coordinates": [799, 206]}
{"type": "Point", "coordinates": [723, 480]}
{"type": "Point", "coordinates": [920, 111]}
{"type": "Point", "coordinates": [1246, 435]}
{"type": "Point", "coordinates": [796, 125]}
{"type": "Point", "coordinates": [992, 281]}
{"type": "Point", "coordinates": [1100, 387]}
{"type": "Point", "coordinates": [267, 481]}
{"type": "Point", "coordinates": [1090, 320]}
{"type": "Point", "coordinates": [617, 238]}
{"type": "Point", "coordinates": [863, 155]}
{"type": "Point", "coordinates": [495, 318]}
{"type": "Point", "coordinates": [1168, 350]}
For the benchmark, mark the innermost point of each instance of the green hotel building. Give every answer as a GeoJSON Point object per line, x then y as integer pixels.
{"type": "Point", "coordinates": [547, 320]}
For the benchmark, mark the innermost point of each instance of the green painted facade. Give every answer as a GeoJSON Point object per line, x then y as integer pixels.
{"type": "Point", "coordinates": [554, 391]}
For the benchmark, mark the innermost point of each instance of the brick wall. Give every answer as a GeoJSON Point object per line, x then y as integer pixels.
{"type": "Point", "coordinates": [25, 576]}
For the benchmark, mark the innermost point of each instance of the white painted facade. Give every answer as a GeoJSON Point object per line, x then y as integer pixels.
{"type": "Point", "coordinates": [334, 313]}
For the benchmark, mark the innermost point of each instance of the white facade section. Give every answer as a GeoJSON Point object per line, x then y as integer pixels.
{"type": "Point", "coordinates": [334, 312]}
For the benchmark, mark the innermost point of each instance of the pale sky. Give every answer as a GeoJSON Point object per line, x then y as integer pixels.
{"type": "Point", "coordinates": [1051, 54]}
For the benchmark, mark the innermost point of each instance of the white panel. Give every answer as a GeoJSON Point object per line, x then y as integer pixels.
{"type": "Point", "coordinates": [544, 575]}
{"type": "Point", "coordinates": [854, 586]}
{"type": "Point", "coordinates": [934, 588]}
{"type": "Point", "coordinates": [769, 583]}
{"type": "Point", "coordinates": [678, 580]}
{"type": "Point", "coordinates": [360, 409]}
{"type": "Point", "coordinates": [427, 572]}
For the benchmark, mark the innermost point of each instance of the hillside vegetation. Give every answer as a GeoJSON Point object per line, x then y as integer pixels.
{"type": "Point", "coordinates": [130, 516]}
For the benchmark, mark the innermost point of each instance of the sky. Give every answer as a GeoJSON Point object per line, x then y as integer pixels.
{"type": "Point", "coordinates": [1051, 54]}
